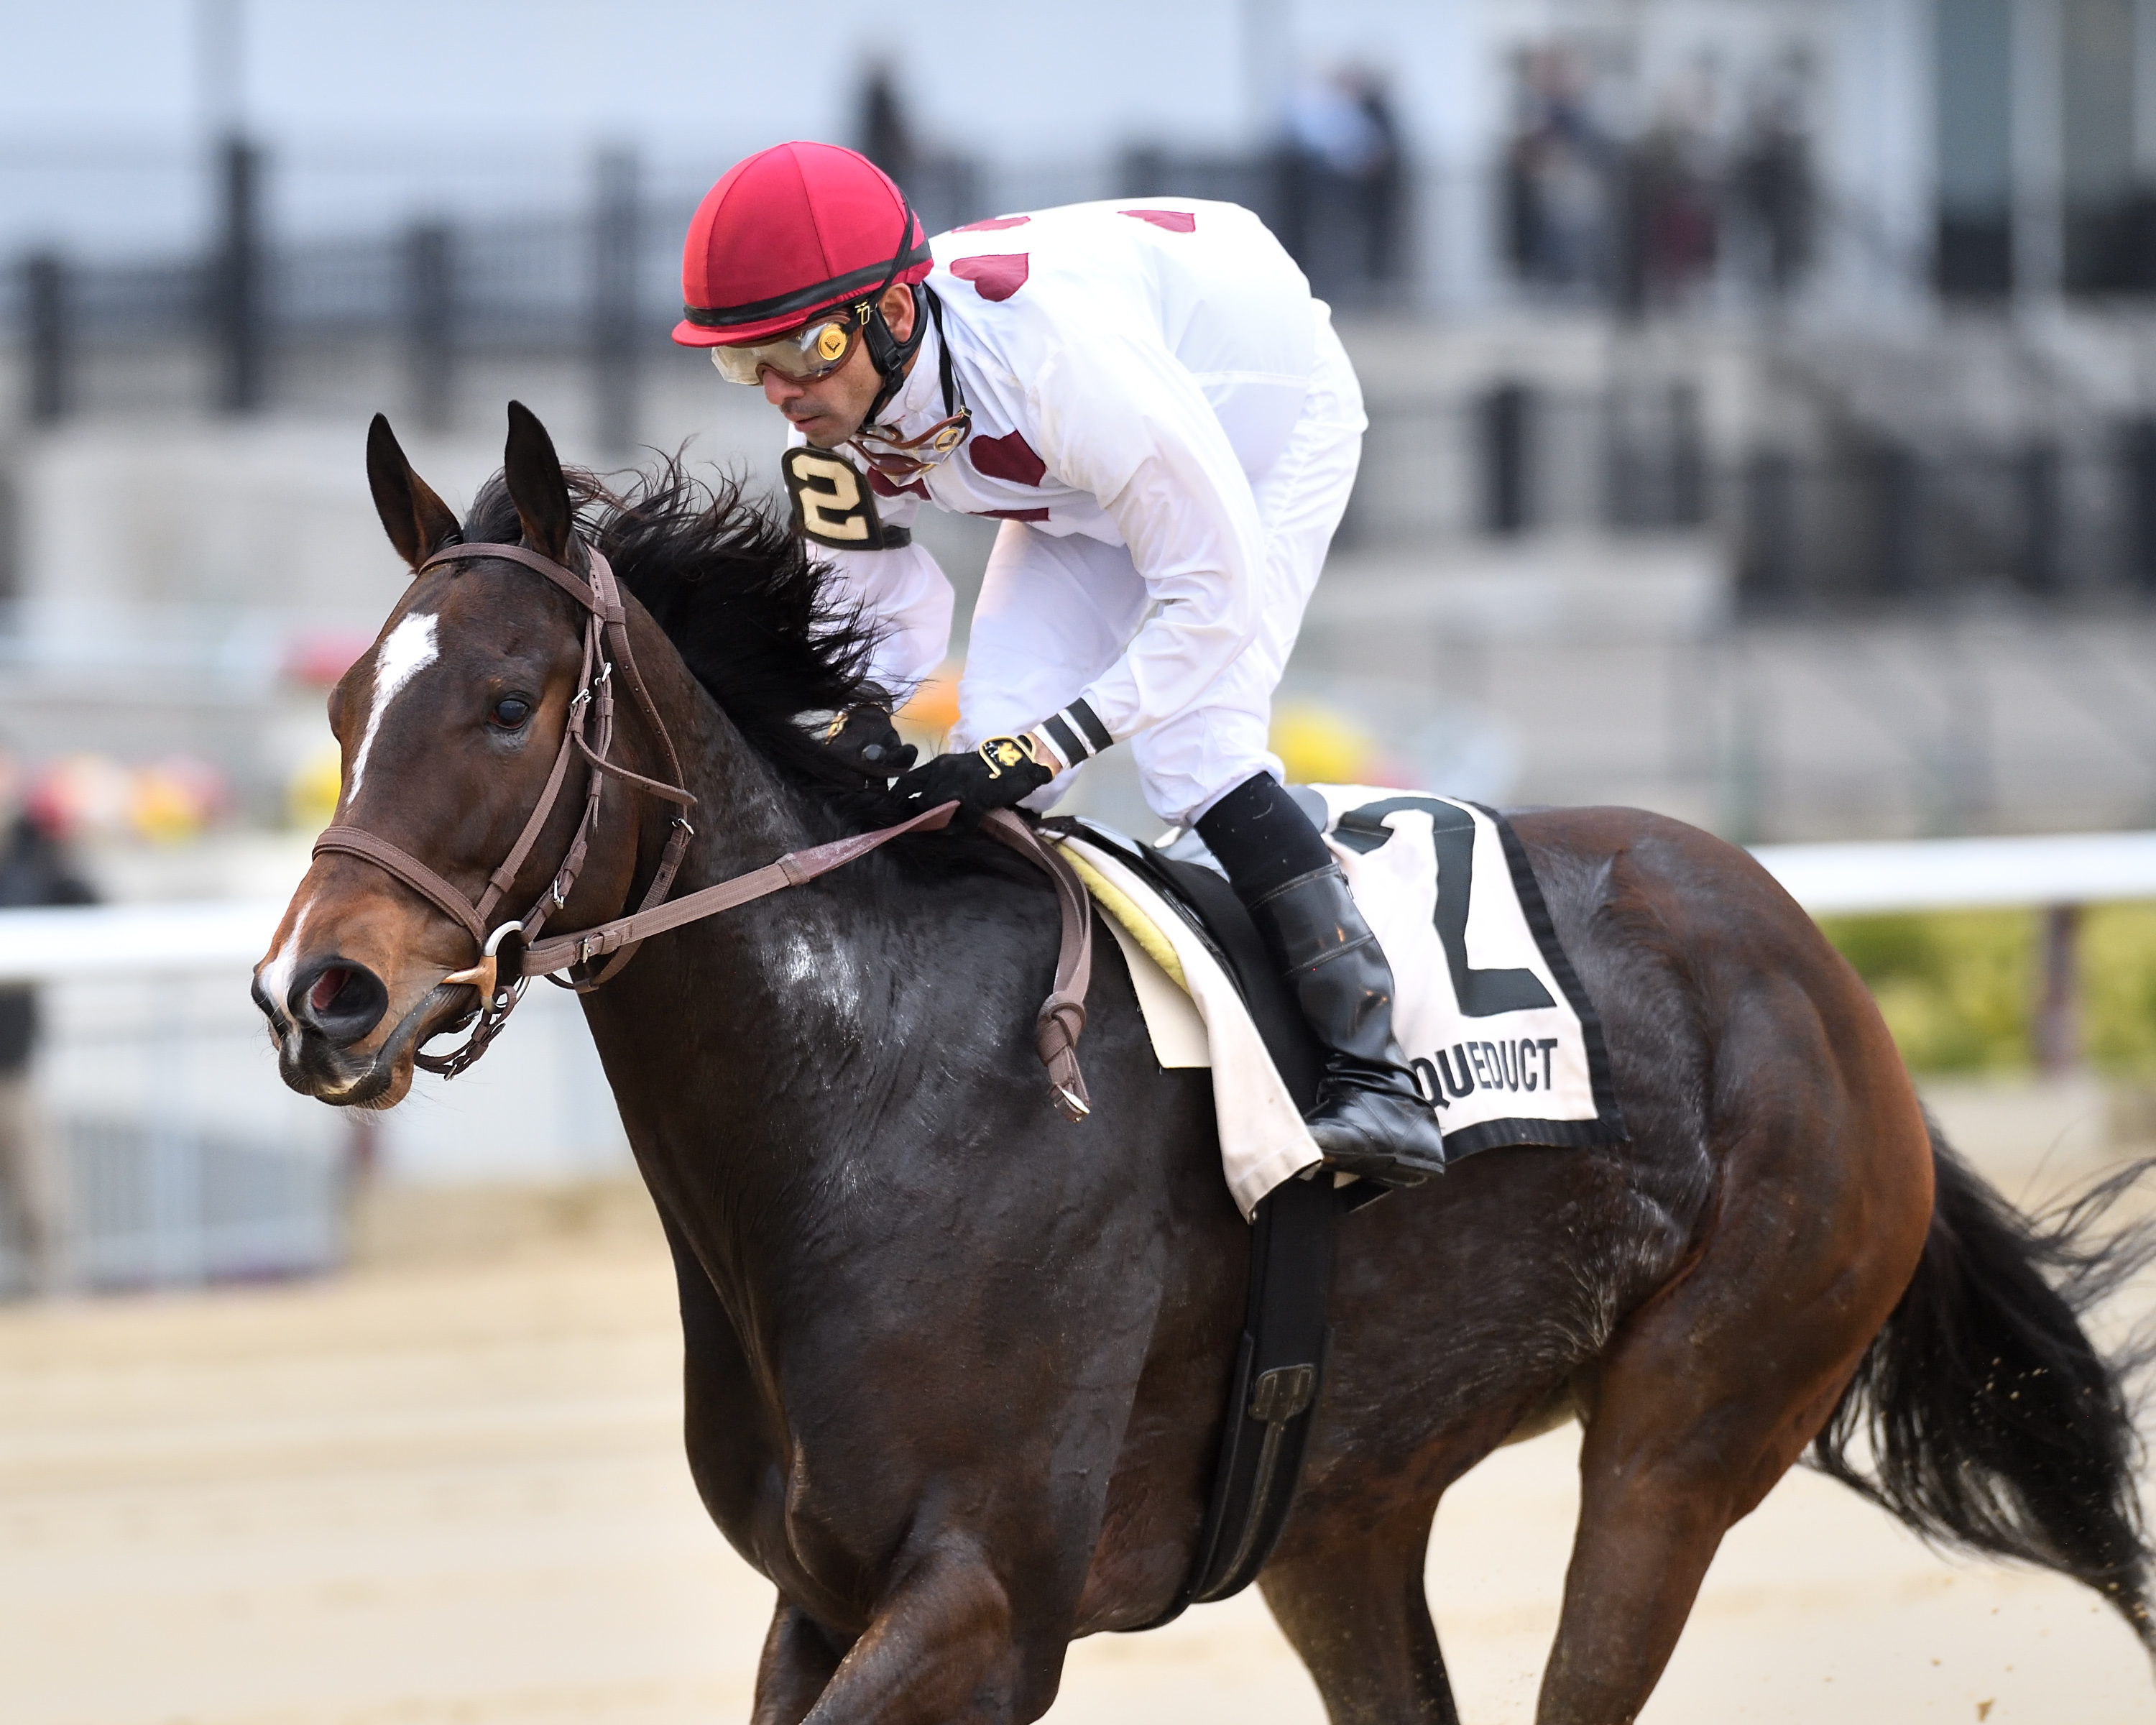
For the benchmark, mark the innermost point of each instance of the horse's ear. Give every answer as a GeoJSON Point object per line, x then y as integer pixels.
{"type": "Point", "coordinates": [533, 473]}
{"type": "Point", "coordinates": [418, 523]}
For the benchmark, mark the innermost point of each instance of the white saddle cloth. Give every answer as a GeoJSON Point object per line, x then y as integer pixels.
{"type": "Point", "coordinates": [1487, 1007]}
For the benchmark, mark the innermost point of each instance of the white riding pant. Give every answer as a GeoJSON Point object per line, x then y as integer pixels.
{"type": "Point", "coordinates": [1055, 613]}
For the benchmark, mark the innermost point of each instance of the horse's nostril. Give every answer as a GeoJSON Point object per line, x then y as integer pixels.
{"type": "Point", "coordinates": [328, 987]}
{"type": "Point", "coordinates": [338, 999]}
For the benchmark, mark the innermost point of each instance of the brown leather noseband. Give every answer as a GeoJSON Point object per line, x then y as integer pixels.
{"type": "Point", "coordinates": [511, 954]}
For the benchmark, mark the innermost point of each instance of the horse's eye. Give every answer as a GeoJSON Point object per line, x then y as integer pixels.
{"type": "Point", "coordinates": [511, 711]}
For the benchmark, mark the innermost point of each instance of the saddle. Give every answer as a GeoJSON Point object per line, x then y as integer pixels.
{"type": "Point", "coordinates": [1208, 905]}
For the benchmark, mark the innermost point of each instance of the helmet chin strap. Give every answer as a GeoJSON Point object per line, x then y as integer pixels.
{"type": "Point", "coordinates": [900, 458]}
{"type": "Point", "coordinates": [888, 354]}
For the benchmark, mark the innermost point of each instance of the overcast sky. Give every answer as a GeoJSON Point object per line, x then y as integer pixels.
{"type": "Point", "coordinates": [372, 107]}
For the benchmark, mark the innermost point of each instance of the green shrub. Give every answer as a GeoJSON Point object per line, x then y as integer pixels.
{"type": "Point", "coordinates": [2118, 988]}
{"type": "Point", "coordinates": [1958, 989]}
{"type": "Point", "coordinates": [1955, 987]}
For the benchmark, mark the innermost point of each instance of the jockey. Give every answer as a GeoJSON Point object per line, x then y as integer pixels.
{"type": "Point", "coordinates": [1148, 397]}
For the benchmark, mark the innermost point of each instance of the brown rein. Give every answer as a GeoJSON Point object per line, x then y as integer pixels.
{"type": "Point", "coordinates": [511, 954]}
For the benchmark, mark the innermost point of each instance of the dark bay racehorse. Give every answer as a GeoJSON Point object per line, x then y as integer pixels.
{"type": "Point", "coordinates": [956, 1368]}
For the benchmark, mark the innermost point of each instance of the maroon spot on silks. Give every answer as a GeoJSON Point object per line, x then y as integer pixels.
{"type": "Point", "coordinates": [1007, 458]}
{"type": "Point", "coordinates": [992, 224]}
{"type": "Point", "coordinates": [884, 487]}
{"type": "Point", "coordinates": [1012, 515]}
{"type": "Point", "coordinates": [997, 277]}
{"type": "Point", "coordinates": [1176, 221]}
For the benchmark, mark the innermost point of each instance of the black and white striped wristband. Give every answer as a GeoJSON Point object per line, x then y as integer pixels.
{"type": "Point", "coordinates": [1076, 733]}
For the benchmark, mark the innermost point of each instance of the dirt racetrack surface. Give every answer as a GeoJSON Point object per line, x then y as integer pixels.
{"type": "Point", "coordinates": [455, 1496]}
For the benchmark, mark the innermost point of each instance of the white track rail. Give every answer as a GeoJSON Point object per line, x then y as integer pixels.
{"type": "Point", "coordinates": [1965, 873]}
{"type": "Point", "coordinates": [1827, 880]}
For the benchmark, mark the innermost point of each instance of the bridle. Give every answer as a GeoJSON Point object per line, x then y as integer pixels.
{"type": "Point", "coordinates": [503, 968]}
{"type": "Point", "coordinates": [511, 953]}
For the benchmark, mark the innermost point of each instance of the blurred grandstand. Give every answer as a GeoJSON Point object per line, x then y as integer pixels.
{"type": "Point", "coordinates": [1701, 341]}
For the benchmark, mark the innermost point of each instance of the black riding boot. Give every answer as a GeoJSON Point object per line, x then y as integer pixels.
{"type": "Point", "coordinates": [1371, 1118]}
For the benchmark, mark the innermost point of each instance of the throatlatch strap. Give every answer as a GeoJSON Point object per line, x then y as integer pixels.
{"type": "Point", "coordinates": [617, 621]}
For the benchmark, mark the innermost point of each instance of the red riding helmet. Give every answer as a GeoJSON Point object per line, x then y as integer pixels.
{"type": "Point", "coordinates": [789, 232]}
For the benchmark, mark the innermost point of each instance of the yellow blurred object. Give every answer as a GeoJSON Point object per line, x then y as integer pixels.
{"type": "Point", "coordinates": [1318, 745]}
{"type": "Point", "coordinates": [310, 794]}
{"type": "Point", "coordinates": [929, 716]}
{"type": "Point", "coordinates": [164, 809]}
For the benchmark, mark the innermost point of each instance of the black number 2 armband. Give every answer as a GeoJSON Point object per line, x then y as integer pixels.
{"type": "Point", "coordinates": [832, 504]}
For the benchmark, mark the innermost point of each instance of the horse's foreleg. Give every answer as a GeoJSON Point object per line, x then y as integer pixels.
{"type": "Point", "coordinates": [940, 1648]}
{"type": "Point", "coordinates": [798, 1660]}
{"type": "Point", "coordinates": [1357, 1614]}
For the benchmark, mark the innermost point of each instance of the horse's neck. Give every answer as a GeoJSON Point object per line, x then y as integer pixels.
{"type": "Point", "coordinates": [746, 813]}
{"type": "Point", "coordinates": [726, 1032]}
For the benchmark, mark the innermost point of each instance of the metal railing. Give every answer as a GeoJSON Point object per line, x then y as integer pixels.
{"type": "Point", "coordinates": [1867, 509]}
{"type": "Point", "coordinates": [162, 1155]}
{"type": "Point", "coordinates": [178, 1155]}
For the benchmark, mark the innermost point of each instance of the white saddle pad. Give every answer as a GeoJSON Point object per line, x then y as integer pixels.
{"type": "Point", "coordinates": [1487, 1007]}
{"type": "Point", "coordinates": [1195, 1015]}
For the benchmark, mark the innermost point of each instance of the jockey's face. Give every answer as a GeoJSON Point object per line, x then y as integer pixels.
{"type": "Point", "coordinates": [830, 408]}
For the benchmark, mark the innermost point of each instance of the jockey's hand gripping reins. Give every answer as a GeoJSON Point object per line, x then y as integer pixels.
{"type": "Point", "coordinates": [511, 954]}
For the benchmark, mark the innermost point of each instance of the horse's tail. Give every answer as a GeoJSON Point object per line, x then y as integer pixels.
{"type": "Point", "coordinates": [1991, 1420]}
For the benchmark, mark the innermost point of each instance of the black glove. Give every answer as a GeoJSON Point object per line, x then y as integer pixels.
{"type": "Point", "coordinates": [863, 737]}
{"type": "Point", "coordinates": [1001, 773]}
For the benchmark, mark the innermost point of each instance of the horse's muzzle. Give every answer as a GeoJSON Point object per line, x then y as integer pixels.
{"type": "Point", "coordinates": [334, 1004]}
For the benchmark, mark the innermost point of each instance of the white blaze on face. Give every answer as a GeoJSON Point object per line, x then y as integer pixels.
{"type": "Point", "coordinates": [409, 650]}
{"type": "Point", "coordinates": [277, 973]}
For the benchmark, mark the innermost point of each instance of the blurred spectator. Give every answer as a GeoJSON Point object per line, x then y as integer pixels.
{"type": "Point", "coordinates": [1558, 175]}
{"type": "Point", "coordinates": [943, 187]}
{"type": "Point", "coordinates": [34, 871]}
{"type": "Point", "coordinates": [886, 139]}
{"type": "Point", "coordinates": [1671, 229]}
{"type": "Point", "coordinates": [1772, 186]}
{"type": "Point", "coordinates": [1341, 186]}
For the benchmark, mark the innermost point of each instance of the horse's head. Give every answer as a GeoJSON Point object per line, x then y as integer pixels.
{"type": "Point", "coordinates": [451, 728]}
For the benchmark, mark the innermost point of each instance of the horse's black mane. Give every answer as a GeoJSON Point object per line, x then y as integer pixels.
{"type": "Point", "coordinates": [759, 622]}
{"type": "Point", "coordinates": [753, 615]}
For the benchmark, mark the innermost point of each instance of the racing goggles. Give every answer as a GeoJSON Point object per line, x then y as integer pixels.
{"type": "Point", "coordinates": [801, 356]}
